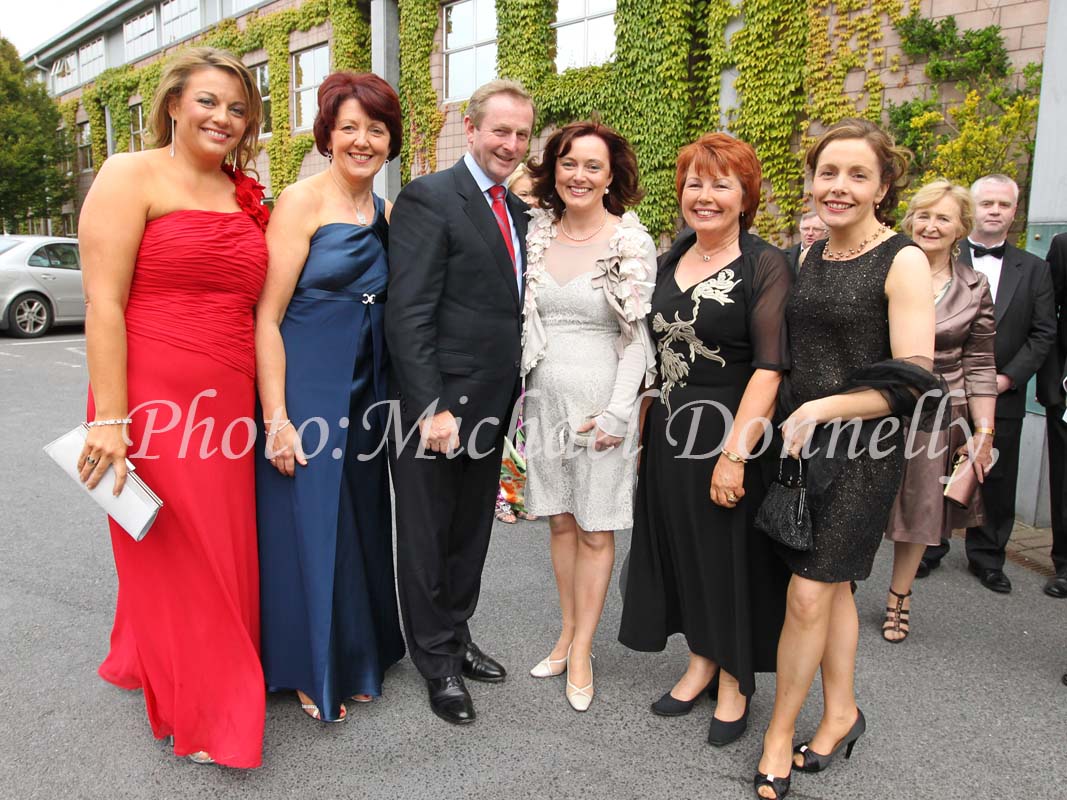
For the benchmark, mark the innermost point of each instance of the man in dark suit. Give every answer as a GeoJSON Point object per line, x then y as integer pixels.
{"type": "Point", "coordinates": [1050, 393]}
{"type": "Point", "coordinates": [811, 230]}
{"type": "Point", "coordinates": [453, 326]}
{"type": "Point", "coordinates": [1026, 328]}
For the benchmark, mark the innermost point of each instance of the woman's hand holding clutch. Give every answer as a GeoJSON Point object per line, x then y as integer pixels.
{"type": "Point", "coordinates": [105, 446]}
{"type": "Point", "coordinates": [980, 448]}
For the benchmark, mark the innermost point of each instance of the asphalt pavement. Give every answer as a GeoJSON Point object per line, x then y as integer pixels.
{"type": "Point", "coordinates": [971, 706]}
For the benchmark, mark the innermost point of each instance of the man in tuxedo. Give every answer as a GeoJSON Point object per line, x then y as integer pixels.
{"type": "Point", "coordinates": [812, 229]}
{"type": "Point", "coordinates": [1026, 328]}
{"type": "Point", "coordinates": [457, 249]}
{"type": "Point", "coordinates": [1050, 393]}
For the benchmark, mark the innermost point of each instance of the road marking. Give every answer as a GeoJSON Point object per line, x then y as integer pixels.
{"type": "Point", "coordinates": [46, 341]}
{"type": "Point", "coordinates": [65, 364]}
{"type": "Point", "coordinates": [9, 355]}
{"type": "Point", "coordinates": [78, 351]}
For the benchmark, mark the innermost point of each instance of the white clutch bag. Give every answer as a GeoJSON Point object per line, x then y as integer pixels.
{"type": "Point", "coordinates": [136, 506]}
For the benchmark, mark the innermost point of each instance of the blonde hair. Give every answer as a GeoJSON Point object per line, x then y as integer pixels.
{"type": "Point", "coordinates": [476, 105]}
{"type": "Point", "coordinates": [172, 84]}
{"type": "Point", "coordinates": [520, 172]}
{"type": "Point", "coordinates": [931, 194]}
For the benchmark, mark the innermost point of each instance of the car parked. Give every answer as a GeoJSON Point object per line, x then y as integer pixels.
{"type": "Point", "coordinates": [40, 284]}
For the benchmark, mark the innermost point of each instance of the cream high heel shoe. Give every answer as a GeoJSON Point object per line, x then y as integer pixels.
{"type": "Point", "coordinates": [546, 667]}
{"type": "Point", "coordinates": [579, 698]}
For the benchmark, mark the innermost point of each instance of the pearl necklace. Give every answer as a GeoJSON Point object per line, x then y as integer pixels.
{"type": "Point", "coordinates": [574, 238]}
{"type": "Point", "coordinates": [360, 216]}
{"type": "Point", "coordinates": [841, 255]}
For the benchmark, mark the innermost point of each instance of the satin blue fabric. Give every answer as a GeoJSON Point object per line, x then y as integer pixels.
{"type": "Point", "coordinates": [330, 625]}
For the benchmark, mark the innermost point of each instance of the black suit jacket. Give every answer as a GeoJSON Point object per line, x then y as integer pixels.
{"type": "Point", "coordinates": [1050, 376]}
{"type": "Point", "coordinates": [1025, 320]}
{"type": "Point", "coordinates": [792, 255]}
{"type": "Point", "coordinates": [453, 320]}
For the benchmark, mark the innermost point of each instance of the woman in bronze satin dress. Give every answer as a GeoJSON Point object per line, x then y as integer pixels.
{"type": "Point", "coordinates": [939, 216]}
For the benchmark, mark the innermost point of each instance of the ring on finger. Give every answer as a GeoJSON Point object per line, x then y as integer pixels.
{"type": "Point", "coordinates": [731, 497]}
{"type": "Point", "coordinates": [90, 460]}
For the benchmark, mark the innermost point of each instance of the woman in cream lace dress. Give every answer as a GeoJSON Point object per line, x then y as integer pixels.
{"type": "Point", "coordinates": [586, 355]}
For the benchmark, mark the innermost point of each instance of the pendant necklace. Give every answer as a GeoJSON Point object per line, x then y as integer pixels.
{"type": "Point", "coordinates": [360, 216]}
{"type": "Point", "coordinates": [706, 257]}
{"type": "Point", "coordinates": [841, 255]}
{"type": "Point", "coordinates": [574, 238]}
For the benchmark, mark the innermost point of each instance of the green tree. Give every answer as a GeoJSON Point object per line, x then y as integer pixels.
{"type": "Point", "coordinates": [33, 154]}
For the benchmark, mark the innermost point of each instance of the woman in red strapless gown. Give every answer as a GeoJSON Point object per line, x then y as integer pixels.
{"type": "Point", "coordinates": [170, 343]}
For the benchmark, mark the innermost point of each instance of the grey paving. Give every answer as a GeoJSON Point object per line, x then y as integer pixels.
{"type": "Point", "coordinates": [970, 707]}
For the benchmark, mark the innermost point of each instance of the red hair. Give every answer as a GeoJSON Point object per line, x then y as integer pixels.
{"type": "Point", "coordinates": [718, 154]}
{"type": "Point", "coordinates": [377, 97]}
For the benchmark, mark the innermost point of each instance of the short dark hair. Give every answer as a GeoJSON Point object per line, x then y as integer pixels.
{"type": "Point", "coordinates": [718, 154]}
{"type": "Point", "coordinates": [377, 97]}
{"type": "Point", "coordinates": [893, 160]}
{"type": "Point", "coordinates": [625, 191]}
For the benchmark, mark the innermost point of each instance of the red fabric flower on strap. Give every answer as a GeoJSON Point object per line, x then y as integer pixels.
{"type": "Point", "coordinates": [249, 194]}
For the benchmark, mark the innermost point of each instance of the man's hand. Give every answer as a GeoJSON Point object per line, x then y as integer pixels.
{"type": "Point", "coordinates": [1004, 383]}
{"type": "Point", "coordinates": [440, 432]}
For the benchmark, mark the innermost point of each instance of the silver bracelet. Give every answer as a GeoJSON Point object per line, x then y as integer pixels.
{"type": "Point", "coordinates": [99, 423]}
{"type": "Point", "coordinates": [280, 428]}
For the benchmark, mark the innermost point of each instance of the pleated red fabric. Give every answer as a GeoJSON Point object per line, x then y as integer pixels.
{"type": "Point", "coordinates": [187, 618]}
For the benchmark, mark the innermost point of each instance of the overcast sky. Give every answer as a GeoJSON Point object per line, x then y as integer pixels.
{"type": "Point", "coordinates": [28, 23]}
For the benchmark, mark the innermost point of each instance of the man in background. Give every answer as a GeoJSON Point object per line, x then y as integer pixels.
{"type": "Point", "coordinates": [812, 229]}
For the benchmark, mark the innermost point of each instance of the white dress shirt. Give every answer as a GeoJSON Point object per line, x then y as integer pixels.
{"type": "Point", "coordinates": [485, 183]}
{"type": "Point", "coordinates": [988, 266]}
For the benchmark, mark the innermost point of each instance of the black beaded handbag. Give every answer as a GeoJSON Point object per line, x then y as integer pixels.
{"type": "Point", "coordinates": [784, 514]}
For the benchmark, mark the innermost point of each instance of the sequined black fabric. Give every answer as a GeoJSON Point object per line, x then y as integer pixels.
{"type": "Point", "coordinates": [838, 319]}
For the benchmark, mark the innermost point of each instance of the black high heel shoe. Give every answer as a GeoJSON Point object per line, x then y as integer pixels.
{"type": "Point", "coordinates": [722, 733]}
{"type": "Point", "coordinates": [671, 706]}
{"type": "Point", "coordinates": [780, 786]}
{"type": "Point", "coordinates": [816, 762]}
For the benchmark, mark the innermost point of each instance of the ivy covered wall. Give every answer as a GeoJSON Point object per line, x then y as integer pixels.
{"type": "Point", "coordinates": [114, 88]}
{"type": "Point", "coordinates": [801, 65]}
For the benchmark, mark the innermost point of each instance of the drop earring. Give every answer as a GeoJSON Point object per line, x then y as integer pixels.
{"type": "Point", "coordinates": [606, 190]}
{"type": "Point", "coordinates": [329, 156]}
{"type": "Point", "coordinates": [173, 132]}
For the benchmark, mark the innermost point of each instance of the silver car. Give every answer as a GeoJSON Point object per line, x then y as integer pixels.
{"type": "Point", "coordinates": [40, 284]}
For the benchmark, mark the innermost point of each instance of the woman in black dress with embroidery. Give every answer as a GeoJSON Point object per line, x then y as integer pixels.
{"type": "Point", "coordinates": [861, 343]}
{"type": "Point", "coordinates": [697, 564]}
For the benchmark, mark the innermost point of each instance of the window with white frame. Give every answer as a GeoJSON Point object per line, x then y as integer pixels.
{"type": "Point", "coordinates": [310, 68]}
{"type": "Point", "coordinates": [65, 73]}
{"type": "Point", "coordinates": [91, 60]}
{"type": "Point", "coordinates": [136, 128]}
{"type": "Point", "coordinates": [241, 5]}
{"type": "Point", "coordinates": [178, 19]}
{"type": "Point", "coordinates": [139, 35]}
{"type": "Point", "coordinates": [470, 46]}
{"type": "Point", "coordinates": [261, 73]}
{"type": "Point", "coordinates": [84, 142]}
{"type": "Point", "coordinates": [585, 33]}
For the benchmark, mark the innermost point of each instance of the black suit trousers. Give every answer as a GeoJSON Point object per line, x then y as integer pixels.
{"type": "Point", "coordinates": [986, 543]}
{"type": "Point", "coordinates": [1057, 480]}
{"type": "Point", "coordinates": [444, 517]}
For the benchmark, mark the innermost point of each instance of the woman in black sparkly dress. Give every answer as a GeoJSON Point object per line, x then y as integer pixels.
{"type": "Point", "coordinates": [861, 343]}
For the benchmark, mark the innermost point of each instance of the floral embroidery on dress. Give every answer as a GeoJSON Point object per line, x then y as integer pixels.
{"type": "Point", "coordinates": [623, 275]}
{"type": "Point", "coordinates": [673, 366]}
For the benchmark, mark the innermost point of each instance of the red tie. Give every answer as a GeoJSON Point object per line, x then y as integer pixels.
{"type": "Point", "coordinates": [501, 212]}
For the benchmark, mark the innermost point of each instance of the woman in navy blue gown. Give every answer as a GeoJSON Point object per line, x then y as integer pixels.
{"type": "Point", "coordinates": [330, 626]}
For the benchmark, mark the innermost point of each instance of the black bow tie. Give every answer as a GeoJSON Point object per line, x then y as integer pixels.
{"type": "Point", "coordinates": [996, 252]}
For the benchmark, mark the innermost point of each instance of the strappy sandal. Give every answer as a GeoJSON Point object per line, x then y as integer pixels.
{"type": "Point", "coordinates": [896, 619]}
{"type": "Point", "coordinates": [312, 711]}
{"type": "Point", "coordinates": [505, 514]}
